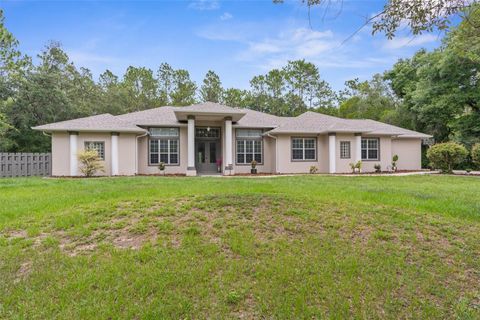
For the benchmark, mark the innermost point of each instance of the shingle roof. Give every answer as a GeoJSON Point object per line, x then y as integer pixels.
{"type": "Point", "coordinates": [317, 123]}
{"type": "Point", "coordinates": [308, 122]}
{"type": "Point", "coordinates": [98, 123]}
{"type": "Point", "coordinates": [162, 116]}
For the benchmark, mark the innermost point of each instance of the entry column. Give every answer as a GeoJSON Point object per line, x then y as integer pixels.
{"type": "Point", "coordinates": [73, 153]}
{"type": "Point", "coordinates": [191, 171]}
{"type": "Point", "coordinates": [332, 154]}
{"type": "Point", "coordinates": [228, 147]}
{"type": "Point", "coordinates": [358, 147]}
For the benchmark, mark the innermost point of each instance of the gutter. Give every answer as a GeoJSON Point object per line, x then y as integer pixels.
{"type": "Point", "coordinates": [276, 151]}
{"type": "Point", "coordinates": [136, 150]}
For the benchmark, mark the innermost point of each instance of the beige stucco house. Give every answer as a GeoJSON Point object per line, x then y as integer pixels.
{"type": "Point", "coordinates": [211, 138]}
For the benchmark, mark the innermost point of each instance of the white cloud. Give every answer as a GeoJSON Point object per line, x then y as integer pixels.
{"type": "Point", "coordinates": [297, 43]}
{"type": "Point", "coordinates": [403, 42]}
{"type": "Point", "coordinates": [204, 5]}
{"type": "Point", "coordinates": [226, 16]}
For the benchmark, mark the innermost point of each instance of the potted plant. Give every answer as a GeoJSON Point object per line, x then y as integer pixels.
{"type": "Point", "coordinates": [313, 169]}
{"type": "Point", "coordinates": [254, 167]}
{"type": "Point", "coordinates": [219, 165]}
{"type": "Point", "coordinates": [161, 167]}
{"type": "Point", "coordinates": [378, 168]}
{"type": "Point", "coordinates": [394, 163]}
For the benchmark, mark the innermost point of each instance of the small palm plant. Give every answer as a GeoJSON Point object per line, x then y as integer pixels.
{"type": "Point", "coordinates": [161, 167]}
{"type": "Point", "coordinates": [254, 167]}
{"type": "Point", "coordinates": [394, 162]}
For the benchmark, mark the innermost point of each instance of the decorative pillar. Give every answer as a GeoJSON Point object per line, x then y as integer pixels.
{"type": "Point", "coordinates": [114, 152]}
{"type": "Point", "coordinates": [358, 147]}
{"type": "Point", "coordinates": [73, 153]}
{"type": "Point", "coordinates": [332, 154]}
{"type": "Point", "coordinates": [228, 146]}
{"type": "Point", "coordinates": [191, 171]}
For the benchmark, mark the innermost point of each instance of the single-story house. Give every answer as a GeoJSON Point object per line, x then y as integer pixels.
{"type": "Point", "coordinates": [212, 138]}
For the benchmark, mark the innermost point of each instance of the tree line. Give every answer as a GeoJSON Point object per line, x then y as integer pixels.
{"type": "Point", "coordinates": [435, 92]}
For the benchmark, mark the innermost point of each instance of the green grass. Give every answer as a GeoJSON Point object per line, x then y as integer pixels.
{"type": "Point", "coordinates": [287, 247]}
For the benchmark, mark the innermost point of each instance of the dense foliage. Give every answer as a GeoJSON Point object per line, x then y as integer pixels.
{"type": "Point", "coordinates": [476, 154]}
{"type": "Point", "coordinates": [445, 156]}
{"type": "Point", "coordinates": [435, 92]}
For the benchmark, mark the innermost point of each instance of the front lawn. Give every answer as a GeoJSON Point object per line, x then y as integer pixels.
{"type": "Point", "coordinates": [284, 247]}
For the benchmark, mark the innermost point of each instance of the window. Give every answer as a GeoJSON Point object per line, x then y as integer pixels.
{"type": "Point", "coordinates": [370, 149]}
{"type": "Point", "coordinates": [98, 146]}
{"type": "Point", "coordinates": [249, 146]}
{"type": "Point", "coordinates": [164, 146]}
{"type": "Point", "coordinates": [304, 149]}
{"type": "Point", "coordinates": [163, 132]}
{"type": "Point", "coordinates": [207, 132]}
{"type": "Point", "coordinates": [344, 149]}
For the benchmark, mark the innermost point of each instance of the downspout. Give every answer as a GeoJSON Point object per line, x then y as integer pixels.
{"type": "Point", "coordinates": [136, 150]}
{"type": "Point", "coordinates": [276, 151]}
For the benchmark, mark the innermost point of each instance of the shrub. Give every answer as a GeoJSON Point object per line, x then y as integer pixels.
{"type": "Point", "coordinates": [161, 167]}
{"type": "Point", "coordinates": [90, 162]}
{"type": "Point", "coordinates": [313, 170]}
{"type": "Point", "coordinates": [476, 154]}
{"type": "Point", "coordinates": [378, 168]}
{"type": "Point", "coordinates": [358, 165]}
{"type": "Point", "coordinates": [445, 156]}
{"type": "Point", "coordinates": [254, 164]}
{"type": "Point", "coordinates": [352, 166]}
{"type": "Point", "coordinates": [394, 162]}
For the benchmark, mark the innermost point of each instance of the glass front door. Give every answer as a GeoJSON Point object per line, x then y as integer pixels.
{"type": "Point", "coordinates": [207, 152]}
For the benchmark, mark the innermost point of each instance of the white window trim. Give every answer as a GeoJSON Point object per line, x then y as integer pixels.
{"type": "Point", "coordinates": [367, 149]}
{"type": "Point", "coordinates": [168, 163]}
{"type": "Point", "coordinates": [253, 153]}
{"type": "Point", "coordinates": [349, 150]}
{"type": "Point", "coordinates": [303, 149]}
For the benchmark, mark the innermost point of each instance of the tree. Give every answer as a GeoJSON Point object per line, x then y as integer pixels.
{"type": "Point", "coordinates": [368, 99]}
{"type": "Point", "coordinates": [419, 15]}
{"type": "Point", "coordinates": [446, 155]}
{"type": "Point", "coordinates": [211, 90]}
{"type": "Point", "coordinates": [114, 97]}
{"type": "Point", "coordinates": [235, 98]}
{"type": "Point", "coordinates": [141, 89]}
{"type": "Point", "coordinates": [184, 89]}
{"type": "Point", "coordinates": [165, 78]}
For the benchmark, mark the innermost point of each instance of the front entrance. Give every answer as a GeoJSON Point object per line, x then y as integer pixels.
{"type": "Point", "coordinates": [207, 150]}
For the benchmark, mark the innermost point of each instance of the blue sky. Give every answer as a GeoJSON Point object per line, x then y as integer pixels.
{"type": "Point", "coordinates": [236, 39]}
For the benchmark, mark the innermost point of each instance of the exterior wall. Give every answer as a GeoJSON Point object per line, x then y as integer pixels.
{"type": "Point", "coordinates": [343, 165]}
{"type": "Point", "coordinates": [60, 154]}
{"type": "Point", "coordinates": [143, 163]}
{"type": "Point", "coordinates": [409, 153]}
{"type": "Point", "coordinates": [126, 154]}
{"type": "Point", "coordinates": [100, 137]}
{"type": "Point", "coordinates": [285, 163]}
{"type": "Point", "coordinates": [408, 150]}
{"type": "Point", "coordinates": [385, 155]}
{"type": "Point", "coordinates": [268, 165]}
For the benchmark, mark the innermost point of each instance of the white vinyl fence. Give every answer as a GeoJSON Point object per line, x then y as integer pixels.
{"type": "Point", "coordinates": [25, 164]}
